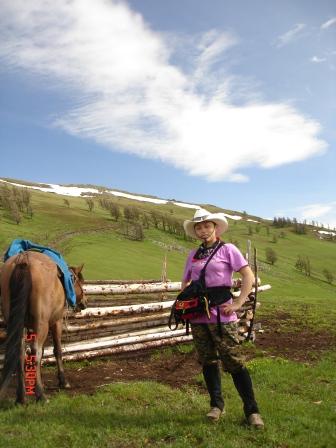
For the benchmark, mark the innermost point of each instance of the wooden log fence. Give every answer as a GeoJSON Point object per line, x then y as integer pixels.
{"type": "Point", "coordinates": [128, 320]}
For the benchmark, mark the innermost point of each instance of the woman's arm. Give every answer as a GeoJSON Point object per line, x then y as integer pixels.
{"type": "Point", "coordinates": [187, 271]}
{"type": "Point", "coordinates": [247, 283]}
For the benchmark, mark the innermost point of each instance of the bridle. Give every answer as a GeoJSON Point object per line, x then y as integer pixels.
{"type": "Point", "coordinates": [77, 281]}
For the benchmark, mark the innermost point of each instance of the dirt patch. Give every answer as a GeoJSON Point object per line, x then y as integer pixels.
{"type": "Point", "coordinates": [304, 344]}
{"type": "Point", "coordinates": [177, 369]}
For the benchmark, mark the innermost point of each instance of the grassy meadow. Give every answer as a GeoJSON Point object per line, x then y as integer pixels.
{"type": "Point", "coordinates": [297, 401]}
{"type": "Point", "coordinates": [297, 398]}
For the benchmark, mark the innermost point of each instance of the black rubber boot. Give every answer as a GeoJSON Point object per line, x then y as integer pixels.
{"type": "Point", "coordinates": [211, 373]}
{"type": "Point", "coordinates": [243, 383]}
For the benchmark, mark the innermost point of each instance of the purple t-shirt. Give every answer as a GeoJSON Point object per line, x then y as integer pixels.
{"type": "Point", "coordinates": [227, 259]}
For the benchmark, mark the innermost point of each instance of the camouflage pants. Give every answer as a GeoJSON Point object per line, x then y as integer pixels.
{"type": "Point", "coordinates": [211, 346]}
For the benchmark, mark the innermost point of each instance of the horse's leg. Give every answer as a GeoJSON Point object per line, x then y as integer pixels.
{"type": "Point", "coordinates": [20, 390]}
{"type": "Point", "coordinates": [56, 331]}
{"type": "Point", "coordinates": [42, 334]}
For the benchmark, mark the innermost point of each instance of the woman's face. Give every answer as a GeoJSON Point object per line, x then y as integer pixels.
{"type": "Point", "coordinates": [205, 230]}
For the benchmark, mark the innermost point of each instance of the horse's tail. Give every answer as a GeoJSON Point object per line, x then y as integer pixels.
{"type": "Point", "coordinates": [20, 285]}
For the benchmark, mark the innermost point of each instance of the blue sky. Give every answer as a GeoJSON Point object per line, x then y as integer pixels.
{"type": "Point", "coordinates": [230, 103]}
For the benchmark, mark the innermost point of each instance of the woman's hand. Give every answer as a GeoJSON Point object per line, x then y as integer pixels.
{"type": "Point", "coordinates": [247, 281]}
{"type": "Point", "coordinates": [229, 308]}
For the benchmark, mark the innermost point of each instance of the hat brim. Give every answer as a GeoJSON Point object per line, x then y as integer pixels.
{"type": "Point", "coordinates": [220, 221]}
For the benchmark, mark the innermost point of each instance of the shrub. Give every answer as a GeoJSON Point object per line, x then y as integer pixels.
{"type": "Point", "coordinates": [328, 275]}
{"type": "Point", "coordinates": [303, 264]}
{"type": "Point", "coordinates": [271, 256]}
{"type": "Point", "coordinates": [89, 203]}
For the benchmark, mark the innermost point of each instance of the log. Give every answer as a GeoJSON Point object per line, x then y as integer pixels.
{"type": "Point", "coordinates": [155, 306]}
{"type": "Point", "coordinates": [115, 323]}
{"type": "Point", "coordinates": [260, 289]}
{"type": "Point", "coordinates": [160, 331]}
{"type": "Point", "coordinates": [122, 349]}
{"type": "Point", "coordinates": [237, 282]}
{"type": "Point", "coordinates": [110, 331]}
{"type": "Point", "coordinates": [134, 288]}
{"type": "Point", "coordinates": [116, 341]}
{"type": "Point", "coordinates": [143, 288]}
{"type": "Point", "coordinates": [122, 310]}
{"type": "Point", "coordinates": [118, 282]}
{"type": "Point", "coordinates": [129, 310]}
{"type": "Point", "coordinates": [133, 299]}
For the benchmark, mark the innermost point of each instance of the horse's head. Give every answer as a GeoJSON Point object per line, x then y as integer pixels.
{"type": "Point", "coordinates": [81, 299]}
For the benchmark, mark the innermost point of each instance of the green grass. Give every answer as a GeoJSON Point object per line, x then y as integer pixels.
{"type": "Point", "coordinates": [301, 313]}
{"type": "Point", "coordinates": [86, 236]}
{"type": "Point", "coordinates": [120, 258]}
{"type": "Point", "coordinates": [297, 402]}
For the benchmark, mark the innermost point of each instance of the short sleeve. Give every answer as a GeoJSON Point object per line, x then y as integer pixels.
{"type": "Point", "coordinates": [187, 269]}
{"type": "Point", "coordinates": [237, 260]}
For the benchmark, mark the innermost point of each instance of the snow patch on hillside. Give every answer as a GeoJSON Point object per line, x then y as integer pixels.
{"type": "Point", "coordinates": [234, 217]}
{"type": "Point", "coordinates": [324, 232]}
{"type": "Point", "coordinates": [82, 192]}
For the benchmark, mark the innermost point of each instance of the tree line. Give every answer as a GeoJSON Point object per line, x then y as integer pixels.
{"type": "Point", "coordinates": [16, 202]}
{"type": "Point", "coordinates": [133, 220]}
{"type": "Point", "coordinates": [298, 227]}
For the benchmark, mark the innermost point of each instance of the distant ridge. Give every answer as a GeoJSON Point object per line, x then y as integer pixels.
{"type": "Point", "coordinates": [87, 190]}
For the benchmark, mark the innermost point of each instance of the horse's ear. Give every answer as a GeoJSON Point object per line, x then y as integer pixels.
{"type": "Point", "coordinates": [80, 268]}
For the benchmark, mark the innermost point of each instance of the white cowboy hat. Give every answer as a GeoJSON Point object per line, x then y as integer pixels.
{"type": "Point", "coordinates": [203, 215]}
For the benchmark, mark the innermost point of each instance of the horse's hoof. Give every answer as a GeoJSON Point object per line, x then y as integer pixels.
{"type": "Point", "coordinates": [65, 385]}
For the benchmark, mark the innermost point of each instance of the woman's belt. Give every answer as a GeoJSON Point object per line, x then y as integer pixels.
{"type": "Point", "coordinates": [218, 294]}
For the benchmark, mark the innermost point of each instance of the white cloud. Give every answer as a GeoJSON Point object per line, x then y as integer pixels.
{"type": "Point", "coordinates": [323, 213]}
{"type": "Point", "coordinates": [317, 60]}
{"type": "Point", "coordinates": [316, 210]}
{"type": "Point", "coordinates": [130, 97]}
{"type": "Point", "coordinates": [291, 35]}
{"type": "Point", "coordinates": [319, 212]}
{"type": "Point", "coordinates": [211, 47]}
{"type": "Point", "coordinates": [328, 23]}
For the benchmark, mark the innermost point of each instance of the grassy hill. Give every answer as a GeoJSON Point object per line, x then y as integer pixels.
{"type": "Point", "coordinates": [97, 239]}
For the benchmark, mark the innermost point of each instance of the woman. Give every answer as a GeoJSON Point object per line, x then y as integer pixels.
{"type": "Point", "coordinates": [219, 341]}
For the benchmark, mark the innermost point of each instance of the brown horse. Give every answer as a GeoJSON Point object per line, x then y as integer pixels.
{"type": "Point", "coordinates": [33, 297]}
